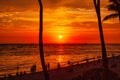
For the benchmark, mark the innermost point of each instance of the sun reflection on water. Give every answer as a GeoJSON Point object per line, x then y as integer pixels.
{"type": "Point", "coordinates": [60, 58]}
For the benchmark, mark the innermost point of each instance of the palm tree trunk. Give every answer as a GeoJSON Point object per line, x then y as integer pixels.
{"type": "Point", "coordinates": [104, 53]}
{"type": "Point", "coordinates": [46, 75]}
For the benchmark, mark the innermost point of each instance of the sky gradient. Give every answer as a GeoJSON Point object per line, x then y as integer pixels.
{"type": "Point", "coordinates": [74, 20]}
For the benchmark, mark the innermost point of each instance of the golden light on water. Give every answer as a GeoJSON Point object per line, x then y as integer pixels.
{"type": "Point", "coordinates": [60, 58]}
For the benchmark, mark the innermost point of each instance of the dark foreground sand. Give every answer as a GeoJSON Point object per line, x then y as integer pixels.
{"type": "Point", "coordinates": [85, 70]}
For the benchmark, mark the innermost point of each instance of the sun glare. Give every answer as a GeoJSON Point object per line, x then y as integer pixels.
{"type": "Point", "coordinates": [60, 36]}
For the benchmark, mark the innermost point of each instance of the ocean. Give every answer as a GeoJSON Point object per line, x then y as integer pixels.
{"type": "Point", "coordinates": [26, 55]}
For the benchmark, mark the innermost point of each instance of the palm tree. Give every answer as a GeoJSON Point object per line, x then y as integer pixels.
{"type": "Point", "coordinates": [46, 75]}
{"type": "Point", "coordinates": [104, 53]}
{"type": "Point", "coordinates": [113, 6]}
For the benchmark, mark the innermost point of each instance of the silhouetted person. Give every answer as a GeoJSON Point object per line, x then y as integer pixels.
{"type": "Point", "coordinates": [33, 69]}
{"type": "Point", "coordinates": [24, 72]}
{"type": "Point", "coordinates": [17, 68]}
{"type": "Point", "coordinates": [87, 60]}
{"type": "Point", "coordinates": [93, 58]}
{"type": "Point", "coordinates": [48, 66]}
{"type": "Point", "coordinates": [68, 62]}
{"type": "Point", "coordinates": [21, 73]}
{"type": "Point", "coordinates": [78, 64]}
{"type": "Point", "coordinates": [17, 74]}
{"type": "Point", "coordinates": [9, 77]}
{"type": "Point", "coordinates": [58, 66]}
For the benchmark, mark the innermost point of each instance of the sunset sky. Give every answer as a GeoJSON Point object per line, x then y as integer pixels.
{"type": "Point", "coordinates": [65, 21]}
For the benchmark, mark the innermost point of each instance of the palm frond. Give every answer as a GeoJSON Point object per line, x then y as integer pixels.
{"type": "Point", "coordinates": [118, 1]}
{"type": "Point", "coordinates": [112, 7]}
{"type": "Point", "coordinates": [111, 0]}
{"type": "Point", "coordinates": [110, 16]}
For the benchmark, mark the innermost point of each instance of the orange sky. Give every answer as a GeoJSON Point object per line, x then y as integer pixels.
{"type": "Point", "coordinates": [74, 20]}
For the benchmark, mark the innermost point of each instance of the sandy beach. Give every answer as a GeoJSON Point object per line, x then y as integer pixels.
{"type": "Point", "coordinates": [77, 71]}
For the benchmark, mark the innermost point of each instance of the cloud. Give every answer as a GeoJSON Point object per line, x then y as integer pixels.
{"type": "Point", "coordinates": [22, 5]}
{"type": "Point", "coordinates": [71, 3]}
{"type": "Point", "coordinates": [18, 5]}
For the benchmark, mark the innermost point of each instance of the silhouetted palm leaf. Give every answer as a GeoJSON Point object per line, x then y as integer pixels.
{"type": "Point", "coordinates": [115, 15]}
{"type": "Point", "coordinates": [114, 6]}
{"type": "Point", "coordinates": [111, 0]}
{"type": "Point", "coordinates": [118, 1]}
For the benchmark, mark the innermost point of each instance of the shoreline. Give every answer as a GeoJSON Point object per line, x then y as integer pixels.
{"type": "Point", "coordinates": [66, 65]}
{"type": "Point", "coordinates": [66, 73]}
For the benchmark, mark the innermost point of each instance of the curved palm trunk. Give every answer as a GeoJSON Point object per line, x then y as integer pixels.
{"type": "Point", "coordinates": [104, 54]}
{"type": "Point", "coordinates": [46, 76]}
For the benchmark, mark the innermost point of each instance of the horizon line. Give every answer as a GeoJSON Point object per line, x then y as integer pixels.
{"type": "Point", "coordinates": [56, 43]}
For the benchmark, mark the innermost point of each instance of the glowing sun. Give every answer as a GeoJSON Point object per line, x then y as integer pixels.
{"type": "Point", "coordinates": [60, 36]}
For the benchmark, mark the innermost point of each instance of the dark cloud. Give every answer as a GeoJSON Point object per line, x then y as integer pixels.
{"type": "Point", "coordinates": [94, 25]}
{"type": "Point", "coordinates": [20, 25]}
{"type": "Point", "coordinates": [71, 3]}
{"type": "Point", "coordinates": [21, 5]}
{"type": "Point", "coordinates": [18, 5]}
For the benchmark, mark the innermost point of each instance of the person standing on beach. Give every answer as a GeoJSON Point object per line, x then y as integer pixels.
{"type": "Point", "coordinates": [48, 66]}
{"type": "Point", "coordinates": [69, 62]}
{"type": "Point", "coordinates": [17, 68]}
{"type": "Point", "coordinates": [17, 73]}
{"type": "Point", "coordinates": [58, 66]}
{"type": "Point", "coordinates": [33, 69]}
